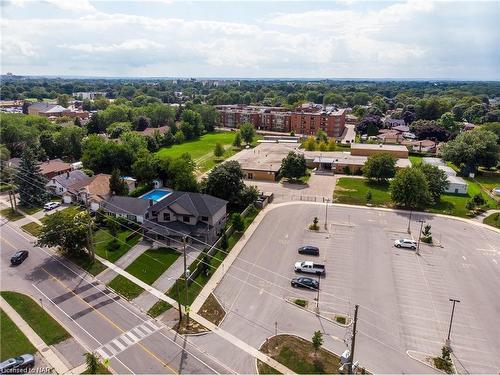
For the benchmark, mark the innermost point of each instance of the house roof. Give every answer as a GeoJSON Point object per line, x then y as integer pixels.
{"type": "Point", "coordinates": [373, 146]}
{"type": "Point", "coordinates": [401, 128]}
{"type": "Point", "coordinates": [125, 205]}
{"type": "Point", "coordinates": [14, 162]}
{"type": "Point", "coordinates": [56, 109]}
{"type": "Point", "coordinates": [70, 178]}
{"type": "Point", "coordinates": [394, 121]}
{"type": "Point", "coordinates": [54, 165]}
{"type": "Point", "coordinates": [174, 227]}
{"type": "Point", "coordinates": [151, 131]}
{"type": "Point", "coordinates": [194, 204]}
{"type": "Point", "coordinates": [40, 106]}
{"type": "Point", "coordinates": [97, 186]}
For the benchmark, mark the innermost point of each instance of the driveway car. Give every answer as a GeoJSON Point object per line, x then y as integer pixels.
{"type": "Point", "coordinates": [304, 282]}
{"type": "Point", "coordinates": [51, 205]}
{"type": "Point", "coordinates": [309, 250]}
{"type": "Point", "coordinates": [19, 257]}
{"type": "Point", "coordinates": [410, 244]}
{"type": "Point", "coordinates": [12, 365]}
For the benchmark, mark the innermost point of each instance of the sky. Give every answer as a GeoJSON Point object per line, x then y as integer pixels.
{"type": "Point", "coordinates": [255, 39]}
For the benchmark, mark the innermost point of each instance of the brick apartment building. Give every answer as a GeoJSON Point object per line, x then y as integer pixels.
{"type": "Point", "coordinates": [306, 120]}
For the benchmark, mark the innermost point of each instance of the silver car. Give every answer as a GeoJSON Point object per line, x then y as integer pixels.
{"type": "Point", "coordinates": [410, 244]}
{"type": "Point", "coordinates": [12, 365]}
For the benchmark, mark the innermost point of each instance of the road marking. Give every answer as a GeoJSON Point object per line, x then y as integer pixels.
{"type": "Point", "coordinates": [464, 258]}
{"type": "Point", "coordinates": [495, 261]}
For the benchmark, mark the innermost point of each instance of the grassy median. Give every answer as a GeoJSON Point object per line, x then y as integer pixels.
{"type": "Point", "coordinates": [18, 343]}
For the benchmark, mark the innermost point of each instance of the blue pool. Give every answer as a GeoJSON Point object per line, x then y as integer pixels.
{"type": "Point", "coordinates": [156, 194]}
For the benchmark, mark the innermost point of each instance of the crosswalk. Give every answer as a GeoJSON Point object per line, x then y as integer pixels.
{"type": "Point", "coordinates": [127, 339]}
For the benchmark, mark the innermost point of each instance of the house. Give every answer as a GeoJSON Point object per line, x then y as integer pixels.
{"type": "Point", "coordinates": [151, 131]}
{"type": "Point", "coordinates": [125, 207]}
{"type": "Point", "coordinates": [59, 184]}
{"type": "Point", "coordinates": [401, 128]}
{"type": "Point", "coordinates": [393, 122]}
{"type": "Point", "coordinates": [185, 214]}
{"type": "Point", "coordinates": [47, 109]}
{"type": "Point", "coordinates": [456, 184]}
{"type": "Point", "coordinates": [390, 136]}
{"type": "Point", "coordinates": [54, 167]}
{"type": "Point", "coordinates": [424, 145]}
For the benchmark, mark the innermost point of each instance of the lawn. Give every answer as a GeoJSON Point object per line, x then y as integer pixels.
{"type": "Point", "coordinates": [354, 190]}
{"type": "Point", "coordinates": [10, 214]}
{"type": "Point", "coordinates": [32, 228]}
{"type": "Point", "coordinates": [103, 244]}
{"type": "Point", "coordinates": [489, 183]}
{"type": "Point", "coordinates": [4, 187]}
{"type": "Point", "coordinates": [125, 287]}
{"type": "Point", "coordinates": [30, 210]}
{"type": "Point", "coordinates": [415, 159]}
{"type": "Point", "coordinates": [493, 220]}
{"type": "Point", "coordinates": [298, 355]}
{"type": "Point", "coordinates": [37, 318]}
{"type": "Point", "coordinates": [93, 267]}
{"type": "Point", "coordinates": [150, 265]}
{"type": "Point", "coordinates": [10, 333]}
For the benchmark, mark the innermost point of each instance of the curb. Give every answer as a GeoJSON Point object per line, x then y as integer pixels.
{"type": "Point", "coordinates": [408, 353]}
{"type": "Point", "coordinates": [319, 315]}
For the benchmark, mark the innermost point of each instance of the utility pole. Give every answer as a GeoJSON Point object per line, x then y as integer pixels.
{"type": "Point", "coordinates": [409, 220]}
{"type": "Point", "coordinates": [90, 241]}
{"type": "Point", "coordinates": [451, 320]}
{"type": "Point", "coordinates": [353, 340]}
{"type": "Point", "coordinates": [179, 302]}
{"type": "Point", "coordinates": [186, 276]}
{"type": "Point", "coordinates": [317, 296]}
{"type": "Point", "coordinates": [10, 200]}
{"type": "Point", "coordinates": [326, 213]}
{"type": "Point", "coordinates": [419, 235]}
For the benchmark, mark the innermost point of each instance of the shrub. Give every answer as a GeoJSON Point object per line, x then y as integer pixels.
{"type": "Point", "coordinates": [346, 170]}
{"type": "Point", "coordinates": [340, 319]}
{"type": "Point", "coordinates": [314, 225]}
{"type": "Point", "coordinates": [300, 302]}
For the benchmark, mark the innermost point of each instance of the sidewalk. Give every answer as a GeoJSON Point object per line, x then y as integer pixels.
{"type": "Point", "coordinates": [484, 215]}
{"type": "Point", "coordinates": [133, 254]}
{"type": "Point", "coordinates": [32, 336]}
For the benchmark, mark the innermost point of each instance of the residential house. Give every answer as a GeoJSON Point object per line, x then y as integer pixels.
{"type": "Point", "coordinates": [59, 184]}
{"type": "Point", "coordinates": [401, 128]}
{"type": "Point", "coordinates": [393, 122]}
{"type": "Point", "coordinates": [390, 136]}
{"type": "Point", "coordinates": [130, 208]}
{"type": "Point", "coordinates": [424, 145]}
{"type": "Point", "coordinates": [54, 167]}
{"type": "Point", "coordinates": [185, 214]}
{"type": "Point", "coordinates": [151, 131]}
{"type": "Point", "coordinates": [456, 184]}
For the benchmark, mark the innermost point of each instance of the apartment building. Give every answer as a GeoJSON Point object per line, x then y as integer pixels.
{"type": "Point", "coordinates": [331, 121]}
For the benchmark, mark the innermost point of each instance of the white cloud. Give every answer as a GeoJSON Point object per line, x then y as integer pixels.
{"type": "Point", "coordinates": [128, 45]}
{"type": "Point", "coordinates": [73, 5]}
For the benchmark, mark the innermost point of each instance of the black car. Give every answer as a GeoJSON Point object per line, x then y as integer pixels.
{"type": "Point", "coordinates": [309, 250]}
{"type": "Point", "coordinates": [19, 257]}
{"type": "Point", "coordinates": [304, 282]}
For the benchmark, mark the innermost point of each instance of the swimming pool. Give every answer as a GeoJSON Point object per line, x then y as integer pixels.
{"type": "Point", "coordinates": [156, 194]}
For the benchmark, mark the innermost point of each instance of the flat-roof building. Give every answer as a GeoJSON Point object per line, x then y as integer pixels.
{"type": "Point", "coordinates": [368, 149]}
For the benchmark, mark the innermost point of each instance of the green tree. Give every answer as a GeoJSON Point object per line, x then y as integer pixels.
{"type": "Point", "coordinates": [30, 181]}
{"type": "Point", "coordinates": [360, 98]}
{"type": "Point", "coordinates": [332, 145]}
{"type": "Point", "coordinates": [179, 137]}
{"type": "Point", "coordinates": [310, 144]}
{"type": "Point", "coordinates": [63, 100]}
{"type": "Point", "coordinates": [317, 341]}
{"type": "Point", "coordinates": [448, 122]}
{"type": "Point", "coordinates": [473, 148]}
{"type": "Point", "coordinates": [436, 179]}
{"type": "Point", "coordinates": [92, 363]}
{"type": "Point", "coordinates": [141, 123]}
{"type": "Point", "coordinates": [218, 150]}
{"type": "Point", "coordinates": [380, 167]}
{"type": "Point", "coordinates": [145, 168]}
{"type": "Point", "coordinates": [116, 183]}
{"type": "Point", "coordinates": [247, 132]}
{"type": "Point", "coordinates": [182, 172]}
{"type": "Point", "coordinates": [195, 125]}
{"type": "Point", "coordinates": [321, 136]}
{"type": "Point", "coordinates": [69, 141]}
{"type": "Point", "coordinates": [409, 189]}
{"type": "Point", "coordinates": [237, 222]}
{"type": "Point", "coordinates": [225, 181]}
{"type": "Point", "coordinates": [112, 226]}
{"type": "Point", "coordinates": [237, 140]}
{"type": "Point", "coordinates": [293, 166]}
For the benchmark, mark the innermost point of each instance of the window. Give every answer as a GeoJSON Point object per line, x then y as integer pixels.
{"type": "Point", "coordinates": [166, 216]}
{"type": "Point", "coordinates": [185, 219]}
{"type": "Point", "coordinates": [204, 218]}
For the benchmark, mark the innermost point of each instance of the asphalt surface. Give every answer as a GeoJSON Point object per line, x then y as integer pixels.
{"type": "Point", "coordinates": [403, 298]}
{"type": "Point", "coordinates": [99, 320]}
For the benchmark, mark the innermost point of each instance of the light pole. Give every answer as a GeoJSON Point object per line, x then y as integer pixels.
{"type": "Point", "coordinates": [451, 320]}
{"type": "Point", "coordinates": [409, 220]}
{"type": "Point", "coordinates": [419, 235]}
{"type": "Point", "coordinates": [317, 296]}
{"type": "Point", "coordinates": [327, 200]}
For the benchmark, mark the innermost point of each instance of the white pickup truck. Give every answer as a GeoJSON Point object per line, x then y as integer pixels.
{"type": "Point", "coordinates": [310, 267]}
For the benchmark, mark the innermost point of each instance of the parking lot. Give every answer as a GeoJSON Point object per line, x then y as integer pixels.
{"type": "Point", "coordinates": [403, 298]}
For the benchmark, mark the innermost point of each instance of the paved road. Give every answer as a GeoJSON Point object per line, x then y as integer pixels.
{"type": "Point", "coordinates": [99, 319]}
{"type": "Point", "coordinates": [403, 298]}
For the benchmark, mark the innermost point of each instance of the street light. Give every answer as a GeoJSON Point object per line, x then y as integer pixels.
{"type": "Point", "coordinates": [409, 220]}
{"type": "Point", "coordinates": [327, 200]}
{"type": "Point", "coordinates": [419, 235]}
{"type": "Point", "coordinates": [451, 320]}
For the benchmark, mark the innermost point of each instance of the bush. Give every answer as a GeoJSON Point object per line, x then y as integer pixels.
{"type": "Point", "coordinates": [426, 239]}
{"type": "Point", "coordinates": [140, 190]}
{"type": "Point", "coordinates": [300, 302]}
{"type": "Point", "coordinates": [314, 225]}
{"type": "Point", "coordinates": [340, 319]}
{"type": "Point", "coordinates": [346, 170]}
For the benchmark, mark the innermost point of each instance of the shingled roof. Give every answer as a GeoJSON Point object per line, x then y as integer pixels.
{"type": "Point", "coordinates": [195, 204]}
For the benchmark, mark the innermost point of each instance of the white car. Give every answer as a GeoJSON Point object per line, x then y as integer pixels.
{"type": "Point", "coordinates": [51, 205]}
{"type": "Point", "coordinates": [410, 244]}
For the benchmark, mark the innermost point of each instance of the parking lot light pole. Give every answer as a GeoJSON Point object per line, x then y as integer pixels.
{"type": "Point", "coordinates": [326, 213]}
{"type": "Point", "coordinates": [419, 235]}
{"type": "Point", "coordinates": [409, 220]}
{"type": "Point", "coordinates": [317, 296]}
{"type": "Point", "coordinates": [451, 320]}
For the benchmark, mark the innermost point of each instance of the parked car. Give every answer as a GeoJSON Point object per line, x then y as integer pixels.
{"type": "Point", "coordinates": [51, 205]}
{"type": "Point", "coordinates": [310, 267]}
{"type": "Point", "coordinates": [410, 244]}
{"type": "Point", "coordinates": [19, 257]}
{"type": "Point", "coordinates": [309, 250]}
{"type": "Point", "coordinates": [304, 282]}
{"type": "Point", "coordinates": [12, 365]}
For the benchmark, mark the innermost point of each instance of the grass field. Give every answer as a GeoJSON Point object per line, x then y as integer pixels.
{"type": "Point", "coordinates": [30, 210]}
{"type": "Point", "coordinates": [415, 159]}
{"type": "Point", "coordinates": [18, 343]}
{"type": "Point", "coordinates": [11, 215]}
{"type": "Point", "coordinates": [489, 183]}
{"type": "Point", "coordinates": [37, 318]}
{"type": "Point", "coordinates": [493, 220]}
{"type": "Point", "coordinates": [32, 228]}
{"type": "Point", "coordinates": [125, 287]}
{"type": "Point", "coordinates": [354, 190]}
{"type": "Point", "coordinates": [103, 240]}
{"type": "Point", "coordinates": [93, 267]}
{"type": "Point", "coordinates": [150, 265]}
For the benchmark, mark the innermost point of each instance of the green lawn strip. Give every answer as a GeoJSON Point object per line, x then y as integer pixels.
{"type": "Point", "coordinates": [489, 183]}
{"type": "Point", "coordinates": [125, 287]}
{"type": "Point", "coordinates": [150, 265]}
{"type": "Point", "coordinates": [11, 215]}
{"type": "Point", "coordinates": [159, 308]}
{"type": "Point", "coordinates": [298, 355]}
{"type": "Point", "coordinates": [32, 228]}
{"type": "Point", "coordinates": [354, 190]}
{"type": "Point", "coordinates": [493, 220]}
{"type": "Point", "coordinates": [71, 211]}
{"type": "Point", "coordinates": [103, 240]}
{"type": "Point", "coordinates": [14, 342]}
{"type": "Point", "coordinates": [85, 262]}
{"type": "Point", "coordinates": [30, 210]}
{"type": "Point", "coordinates": [37, 318]}
{"type": "Point", "coordinates": [415, 159]}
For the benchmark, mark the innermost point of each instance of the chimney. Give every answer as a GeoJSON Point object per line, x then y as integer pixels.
{"type": "Point", "coordinates": [151, 202]}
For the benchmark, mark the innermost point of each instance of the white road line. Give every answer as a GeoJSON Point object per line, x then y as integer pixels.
{"type": "Point", "coordinates": [138, 333]}
{"type": "Point", "coordinates": [118, 343]}
{"type": "Point", "coordinates": [464, 258]}
{"type": "Point", "coordinates": [131, 336]}
{"type": "Point", "coordinates": [110, 348]}
{"type": "Point", "coordinates": [127, 341]}
{"type": "Point", "coordinates": [495, 261]}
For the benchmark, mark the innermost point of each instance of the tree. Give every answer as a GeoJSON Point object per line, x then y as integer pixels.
{"type": "Point", "coordinates": [112, 226]}
{"type": "Point", "coordinates": [332, 145]}
{"type": "Point", "coordinates": [321, 136]}
{"type": "Point", "coordinates": [473, 148]}
{"type": "Point", "coordinates": [182, 171]}
{"type": "Point", "coordinates": [370, 122]}
{"type": "Point", "coordinates": [116, 183]}
{"type": "Point", "coordinates": [448, 122]}
{"type": "Point", "coordinates": [116, 129]}
{"type": "Point", "coordinates": [145, 168]}
{"type": "Point", "coordinates": [360, 98]}
{"type": "Point", "coordinates": [322, 146]}
{"type": "Point", "coordinates": [30, 181]}
{"type": "Point", "coordinates": [69, 232]}
{"type": "Point", "coordinates": [293, 166]}
{"type": "Point", "coordinates": [225, 181]}
{"type": "Point", "coordinates": [179, 137]}
{"type": "Point", "coordinates": [317, 341]}
{"type": "Point", "coordinates": [247, 132]}
{"type": "Point", "coordinates": [437, 180]}
{"type": "Point", "coordinates": [310, 144]}
{"type": "Point", "coordinates": [92, 363]}
{"type": "Point", "coordinates": [409, 189]}
{"type": "Point", "coordinates": [63, 100]}
{"type": "Point", "coordinates": [77, 122]}
{"type": "Point", "coordinates": [380, 167]}
{"type": "Point", "coordinates": [409, 117]}
{"type": "Point", "coordinates": [237, 222]}
{"type": "Point", "coordinates": [475, 113]}
{"type": "Point", "coordinates": [237, 140]}
{"type": "Point", "coordinates": [218, 150]}
{"type": "Point", "coordinates": [431, 130]}
{"type": "Point", "coordinates": [191, 120]}
{"type": "Point", "coordinates": [141, 123]}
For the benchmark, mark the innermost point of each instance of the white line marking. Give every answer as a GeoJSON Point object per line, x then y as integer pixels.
{"type": "Point", "coordinates": [118, 343]}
